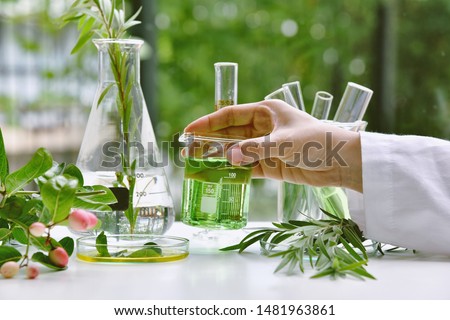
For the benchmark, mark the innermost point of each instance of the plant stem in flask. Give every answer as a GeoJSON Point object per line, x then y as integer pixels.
{"type": "Point", "coordinates": [151, 204]}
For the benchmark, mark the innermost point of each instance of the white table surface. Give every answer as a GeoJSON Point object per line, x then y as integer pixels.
{"type": "Point", "coordinates": [210, 274]}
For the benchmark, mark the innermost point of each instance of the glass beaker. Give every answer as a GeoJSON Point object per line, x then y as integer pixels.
{"type": "Point", "coordinates": [119, 148]}
{"type": "Point", "coordinates": [216, 194]}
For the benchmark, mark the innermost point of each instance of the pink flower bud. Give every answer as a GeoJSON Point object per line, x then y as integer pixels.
{"type": "Point", "coordinates": [92, 220]}
{"type": "Point", "coordinates": [9, 269]}
{"type": "Point", "coordinates": [81, 220]}
{"type": "Point", "coordinates": [37, 229]}
{"type": "Point", "coordinates": [59, 257]}
{"type": "Point", "coordinates": [32, 271]}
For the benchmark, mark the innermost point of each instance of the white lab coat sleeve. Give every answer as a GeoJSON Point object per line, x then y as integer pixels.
{"type": "Point", "coordinates": [406, 192]}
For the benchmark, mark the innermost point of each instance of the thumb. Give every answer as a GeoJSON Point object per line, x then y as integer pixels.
{"type": "Point", "coordinates": [253, 150]}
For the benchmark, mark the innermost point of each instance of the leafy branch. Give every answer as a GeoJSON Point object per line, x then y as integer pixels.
{"type": "Point", "coordinates": [332, 247]}
{"type": "Point", "coordinates": [99, 17]}
{"type": "Point", "coordinates": [60, 190]}
{"type": "Point", "coordinates": [106, 19]}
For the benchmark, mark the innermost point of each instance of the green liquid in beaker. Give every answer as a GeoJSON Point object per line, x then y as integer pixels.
{"type": "Point", "coordinates": [215, 194]}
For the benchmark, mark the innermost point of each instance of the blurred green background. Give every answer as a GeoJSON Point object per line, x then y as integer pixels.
{"type": "Point", "coordinates": [398, 48]}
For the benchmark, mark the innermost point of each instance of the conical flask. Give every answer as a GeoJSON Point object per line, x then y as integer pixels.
{"type": "Point", "coordinates": [119, 148]}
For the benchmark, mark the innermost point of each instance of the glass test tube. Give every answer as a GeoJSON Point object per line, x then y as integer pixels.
{"type": "Point", "coordinates": [296, 91]}
{"type": "Point", "coordinates": [354, 103]}
{"type": "Point", "coordinates": [284, 94]}
{"type": "Point", "coordinates": [322, 105]}
{"type": "Point", "coordinates": [225, 84]}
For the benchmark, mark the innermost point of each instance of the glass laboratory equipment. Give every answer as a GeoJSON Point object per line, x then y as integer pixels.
{"type": "Point", "coordinates": [296, 91]}
{"type": "Point", "coordinates": [302, 202]}
{"type": "Point", "coordinates": [215, 193]}
{"type": "Point", "coordinates": [283, 93]}
{"type": "Point", "coordinates": [354, 103]}
{"type": "Point", "coordinates": [119, 148]}
{"type": "Point", "coordinates": [322, 105]}
{"type": "Point", "coordinates": [294, 201]}
{"type": "Point", "coordinates": [225, 84]}
{"type": "Point", "coordinates": [334, 199]}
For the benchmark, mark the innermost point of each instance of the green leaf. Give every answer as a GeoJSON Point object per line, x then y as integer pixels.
{"type": "Point", "coordinates": [280, 237]}
{"type": "Point", "coordinates": [73, 171]}
{"type": "Point", "coordinates": [353, 238]}
{"type": "Point", "coordinates": [330, 215]}
{"type": "Point", "coordinates": [55, 170]}
{"type": "Point", "coordinates": [283, 225]}
{"type": "Point", "coordinates": [300, 223]}
{"type": "Point", "coordinates": [102, 245]}
{"type": "Point", "coordinates": [130, 24]}
{"type": "Point", "coordinates": [37, 166]}
{"type": "Point", "coordinates": [326, 272]}
{"type": "Point", "coordinates": [4, 223]}
{"type": "Point", "coordinates": [350, 249]}
{"type": "Point", "coordinates": [58, 195]}
{"type": "Point", "coordinates": [86, 205]}
{"type": "Point", "coordinates": [97, 202]}
{"type": "Point", "coordinates": [81, 22]}
{"type": "Point", "coordinates": [132, 20]}
{"type": "Point", "coordinates": [81, 42]}
{"type": "Point", "coordinates": [145, 252]}
{"type": "Point", "coordinates": [353, 266]}
{"type": "Point", "coordinates": [68, 244]}
{"type": "Point", "coordinates": [9, 254]}
{"type": "Point", "coordinates": [364, 273]}
{"type": "Point", "coordinates": [87, 25]}
{"type": "Point", "coordinates": [247, 241]}
{"type": "Point", "coordinates": [20, 235]}
{"type": "Point", "coordinates": [4, 166]}
{"type": "Point", "coordinates": [111, 13]}
{"type": "Point", "coordinates": [13, 208]}
{"type": "Point", "coordinates": [299, 254]}
{"type": "Point", "coordinates": [44, 243]}
{"type": "Point", "coordinates": [104, 93]}
{"type": "Point", "coordinates": [4, 234]}
{"type": "Point", "coordinates": [322, 247]}
{"type": "Point", "coordinates": [284, 262]}
{"type": "Point", "coordinates": [33, 207]}
{"type": "Point", "coordinates": [45, 260]}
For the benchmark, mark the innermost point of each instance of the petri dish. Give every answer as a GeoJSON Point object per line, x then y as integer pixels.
{"type": "Point", "coordinates": [132, 248]}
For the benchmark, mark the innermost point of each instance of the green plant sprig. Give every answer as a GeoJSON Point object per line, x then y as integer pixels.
{"type": "Point", "coordinates": [332, 247]}
{"type": "Point", "coordinates": [99, 17]}
{"type": "Point", "coordinates": [106, 19]}
{"type": "Point", "coordinates": [60, 189]}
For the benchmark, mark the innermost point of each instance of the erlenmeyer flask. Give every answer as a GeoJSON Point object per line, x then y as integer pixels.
{"type": "Point", "coordinates": [119, 148]}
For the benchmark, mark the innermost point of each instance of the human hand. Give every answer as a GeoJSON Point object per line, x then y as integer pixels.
{"type": "Point", "coordinates": [286, 144]}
